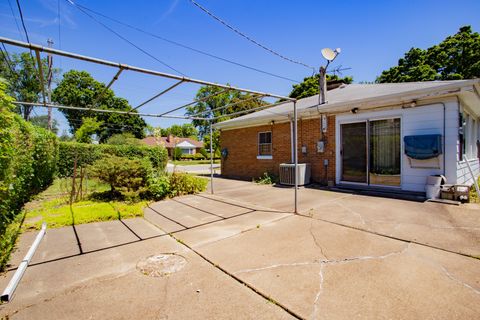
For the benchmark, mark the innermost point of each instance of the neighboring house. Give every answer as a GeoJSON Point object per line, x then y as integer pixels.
{"type": "Point", "coordinates": [186, 145]}
{"type": "Point", "coordinates": [367, 135]}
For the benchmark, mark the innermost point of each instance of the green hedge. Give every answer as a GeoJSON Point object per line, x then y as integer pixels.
{"type": "Point", "coordinates": [28, 157]}
{"type": "Point", "coordinates": [196, 156]}
{"type": "Point", "coordinates": [87, 154]}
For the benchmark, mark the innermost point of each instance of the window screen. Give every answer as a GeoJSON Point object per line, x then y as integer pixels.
{"type": "Point", "coordinates": [264, 143]}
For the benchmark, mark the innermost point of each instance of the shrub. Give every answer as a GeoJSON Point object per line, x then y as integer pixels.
{"type": "Point", "coordinates": [177, 153]}
{"type": "Point", "coordinates": [187, 156]}
{"type": "Point", "coordinates": [204, 153]}
{"type": "Point", "coordinates": [266, 179]}
{"type": "Point", "coordinates": [198, 156]}
{"type": "Point", "coordinates": [87, 154]}
{"type": "Point", "coordinates": [28, 157]}
{"type": "Point", "coordinates": [158, 187]}
{"type": "Point", "coordinates": [125, 176]}
{"type": "Point", "coordinates": [123, 138]}
{"type": "Point", "coordinates": [182, 183]}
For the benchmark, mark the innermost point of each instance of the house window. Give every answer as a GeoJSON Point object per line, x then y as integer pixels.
{"type": "Point", "coordinates": [265, 143]}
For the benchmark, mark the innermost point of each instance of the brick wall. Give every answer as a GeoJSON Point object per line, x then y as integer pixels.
{"type": "Point", "coordinates": [242, 148]}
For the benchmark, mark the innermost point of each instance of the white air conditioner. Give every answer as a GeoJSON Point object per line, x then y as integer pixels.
{"type": "Point", "coordinates": [287, 176]}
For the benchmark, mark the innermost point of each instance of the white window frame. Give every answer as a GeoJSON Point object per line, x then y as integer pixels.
{"type": "Point", "coordinates": [264, 156]}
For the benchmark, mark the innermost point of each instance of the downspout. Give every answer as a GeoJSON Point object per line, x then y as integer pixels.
{"type": "Point", "coordinates": [444, 137]}
{"type": "Point", "coordinates": [291, 142]}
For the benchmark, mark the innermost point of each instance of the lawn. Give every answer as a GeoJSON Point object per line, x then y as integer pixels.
{"type": "Point", "coordinates": [52, 206]}
{"type": "Point", "coordinates": [192, 162]}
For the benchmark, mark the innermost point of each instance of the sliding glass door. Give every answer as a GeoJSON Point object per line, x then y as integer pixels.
{"type": "Point", "coordinates": [354, 152]}
{"type": "Point", "coordinates": [371, 152]}
{"type": "Point", "coordinates": [384, 152]}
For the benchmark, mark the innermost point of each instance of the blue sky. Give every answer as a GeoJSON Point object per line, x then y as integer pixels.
{"type": "Point", "coordinates": [372, 35]}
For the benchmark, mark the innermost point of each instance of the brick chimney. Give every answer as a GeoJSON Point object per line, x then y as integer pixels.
{"type": "Point", "coordinates": [170, 138]}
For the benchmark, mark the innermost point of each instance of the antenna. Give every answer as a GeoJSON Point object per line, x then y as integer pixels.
{"type": "Point", "coordinates": [329, 55]}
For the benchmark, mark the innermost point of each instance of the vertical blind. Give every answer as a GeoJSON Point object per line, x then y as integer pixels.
{"type": "Point", "coordinates": [385, 146]}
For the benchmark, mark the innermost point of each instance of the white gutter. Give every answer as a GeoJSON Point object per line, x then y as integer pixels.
{"type": "Point", "coordinates": [345, 106]}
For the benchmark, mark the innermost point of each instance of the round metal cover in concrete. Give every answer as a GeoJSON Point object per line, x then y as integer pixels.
{"type": "Point", "coordinates": [161, 265]}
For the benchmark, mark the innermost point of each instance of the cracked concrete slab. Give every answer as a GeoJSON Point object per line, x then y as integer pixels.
{"type": "Point", "coordinates": [453, 228]}
{"type": "Point", "coordinates": [228, 228]}
{"type": "Point", "coordinates": [319, 270]}
{"type": "Point", "coordinates": [107, 285]}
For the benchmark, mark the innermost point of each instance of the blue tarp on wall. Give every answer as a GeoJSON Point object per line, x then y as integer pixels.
{"type": "Point", "coordinates": [423, 147]}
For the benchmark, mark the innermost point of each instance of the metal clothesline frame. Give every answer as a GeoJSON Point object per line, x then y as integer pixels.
{"type": "Point", "coordinates": [167, 114]}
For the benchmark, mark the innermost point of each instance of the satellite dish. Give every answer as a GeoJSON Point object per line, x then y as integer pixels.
{"type": "Point", "coordinates": [328, 54]}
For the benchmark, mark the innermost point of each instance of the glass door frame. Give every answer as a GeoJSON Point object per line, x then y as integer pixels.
{"type": "Point", "coordinates": [367, 121]}
{"type": "Point", "coordinates": [342, 153]}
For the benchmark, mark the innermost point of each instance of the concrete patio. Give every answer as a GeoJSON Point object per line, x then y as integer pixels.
{"type": "Point", "coordinates": [247, 257]}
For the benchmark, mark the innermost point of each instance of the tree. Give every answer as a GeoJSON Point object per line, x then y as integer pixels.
{"type": "Point", "coordinates": [87, 129]}
{"type": "Point", "coordinates": [80, 89]}
{"type": "Point", "coordinates": [122, 139]}
{"type": "Point", "coordinates": [219, 98]}
{"type": "Point", "coordinates": [21, 73]}
{"type": "Point", "coordinates": [187, 130]}
{"type": "Point", "coordinates": [309, 86]}
{"type": "Point", "coordinates": [210, 109]}
{"type": "Point", "coordinates": [42, 121]}
{"type": "Point", "coordinates": [456, 57]}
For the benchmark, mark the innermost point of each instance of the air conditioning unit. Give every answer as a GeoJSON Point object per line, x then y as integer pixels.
{"type": "Point", "coordinates": [287, 176]}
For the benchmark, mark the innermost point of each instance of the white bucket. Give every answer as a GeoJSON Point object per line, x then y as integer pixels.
{"type": "Point", "coordinates": [433, 192]}
{"type": "Point", "coordinates": [436, 180]}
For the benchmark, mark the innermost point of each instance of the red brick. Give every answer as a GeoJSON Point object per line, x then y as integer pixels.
{"type": "Point", "coordinates": [242, 146]}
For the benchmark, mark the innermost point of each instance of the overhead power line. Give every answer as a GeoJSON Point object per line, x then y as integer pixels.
{"type": "Point", "coordinates": [7, 58]}
{"type": "Point", "coordinates": [23, 21]}
{"type": "Point", "coordinates": [123, 38]}
{"type": "Point", "coordinates": [240, 33]}
{"type": "Point", "coordinates": [15, 19]}
{"type": "Point", "coordinates": [186, 46]}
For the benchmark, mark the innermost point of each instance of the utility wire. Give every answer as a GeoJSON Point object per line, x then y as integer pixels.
{"type": "Point", "coordinates": [123, 38]}
{"type": "Point", "coordinates": [240, 33]}
{"type": "Point", "coordinates": [7, 58]}
{"type": "Point", "coordinates": [15, 18]}
{"type": "Point", "coordinates": [59, 30]}
{"type": "Point", "coordinates": [186, 46]}
{"type": "Point", "coordinates": [23, 21]}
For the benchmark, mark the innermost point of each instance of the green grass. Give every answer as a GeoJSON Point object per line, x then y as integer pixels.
{"type": "Point", "coordinates": [52, 206]}
{"type": "Point", "coordinates": [62, 187]}
{"type": "Point", "coordinates": [192, 162]}
{"type": "Point", "coordinates": [58, 213]}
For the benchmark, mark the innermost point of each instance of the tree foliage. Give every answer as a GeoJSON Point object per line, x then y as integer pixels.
{"type": "Point", "coordinates": [28, 159]}
{"type": "Point", "coordinates": [20, 71]}
{"type": "Point", "coordinates": [219, 98]}
{"type": "Point", "coordinates": [309, 86]}
{"type": "Point", "coordinates": [123, 138]}
{"type": "Point", "coordinates": [87, 129]}
{"type": "Point", "coordinates": [80, 89]}
{"type": "Point", "coordinates": [186, 130]}
{"type": "Point", "coordinates": [456, 57]}
{"type": "Point", "coordinates": [42, 122]}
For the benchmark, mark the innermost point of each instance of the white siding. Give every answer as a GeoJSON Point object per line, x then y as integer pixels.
{"type": "Point", "coordinates": [417, 121]}
{"type": "Point", "coordinates": [463, 174]}
{"type": "Point", "coordinates": [472, 135]}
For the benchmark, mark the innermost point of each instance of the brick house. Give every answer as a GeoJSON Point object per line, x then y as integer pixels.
{"type": "Point", "coordinates": [186, 145]}
{"type": "Point", "coordinates": [372, 135]}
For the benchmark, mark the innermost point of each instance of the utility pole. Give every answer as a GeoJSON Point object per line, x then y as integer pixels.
{"type": "Point", "coordinates": [49, 83]}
